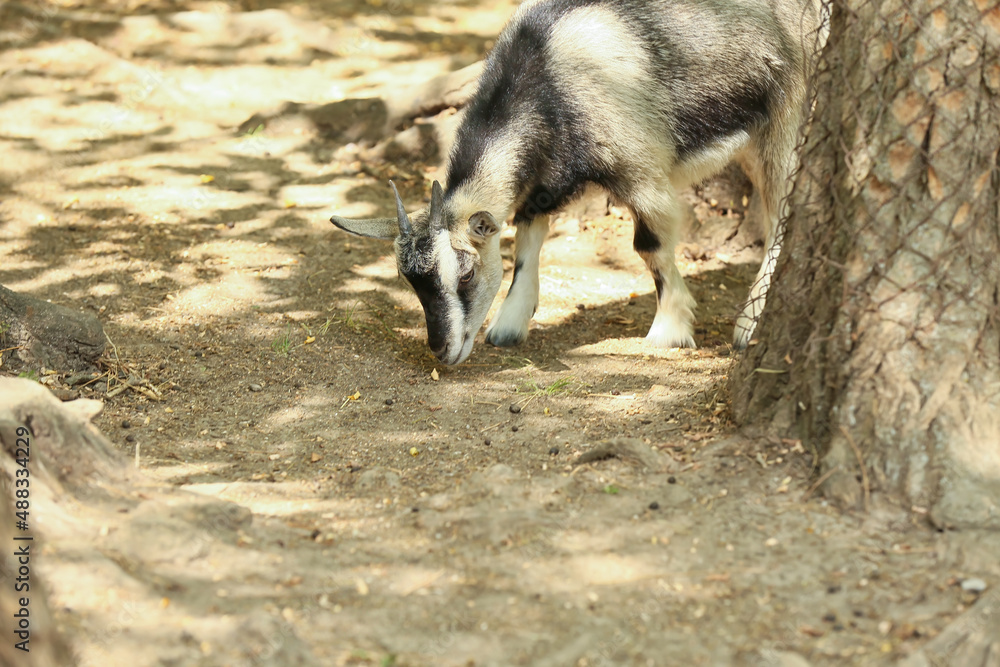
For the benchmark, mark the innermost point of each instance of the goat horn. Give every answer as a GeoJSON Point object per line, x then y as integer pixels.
{"type": "Point", "coordinates": [404, 222]}
{"type": "Point", "coordinates": [436, 215]}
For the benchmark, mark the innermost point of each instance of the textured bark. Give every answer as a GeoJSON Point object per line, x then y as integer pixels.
{"type": "Point", "coordinates": [39, 332]}
{"type": "Point", "coordinates": [881, 339]}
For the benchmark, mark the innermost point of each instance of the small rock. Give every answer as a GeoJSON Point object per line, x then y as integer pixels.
{"type": "Point", "coordinates": [553, 451]}
{"type": "Point", "coordinates": [515, 408]}
{"type": "Point", "coordinates": [830, 617]}
{"type": "Point", "coordinates": [78, 378]}
{"type": "Point", "coordinates": [616, 392]}
{"type": "Point", "coordinates": [66, 394]}
{"type": "Point", "coordinates": [654, 505]}
{"type": "Point", "coordinates": [671, 480]}
{"type": "Point", "coordinates": [833, 589]}
{"type": "Point", "coordinates": [256, 387]}
{"type": "Point", "coordinates": [487, 442]}
{"type": "Point", "coordinates": [126, 423]}
{"type": "Point", "coordinates": [389, 401]}
{"type": "Point", "coordinates": [199, 353]}
{"type": "Point", "coordinates": [514, 428]}
{"type": "Point", "coordinates": [129, 438]}
{"type": "Point", "coordinates": [974, 585]}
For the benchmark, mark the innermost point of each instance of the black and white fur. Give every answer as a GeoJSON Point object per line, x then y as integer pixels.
{"type": "Point", "coordinates": [642, 97]}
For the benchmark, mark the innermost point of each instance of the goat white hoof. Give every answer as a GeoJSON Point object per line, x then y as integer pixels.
{"type": "Point", "coordinates": [669, 332]}
{"type": "Point", "coordinates": [506, 337]}
{"type": "Point", "coordinates": [510, 326]}
{"type": "Point", "coordinates": [744, 331]}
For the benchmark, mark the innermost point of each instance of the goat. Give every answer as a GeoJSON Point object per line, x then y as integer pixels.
{"type": "Point", "coordinates": [641, 97]}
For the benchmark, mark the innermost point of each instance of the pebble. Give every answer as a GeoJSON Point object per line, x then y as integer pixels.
{"type": "Point", "coordinates": [388, 401]}
{"type": "Point", "coordinates": [974, 585]}
{"type": "Point", "coordinates": [616, 392]}
{"type": "Point", "coordinates": [126, 423]}
{"type": "Point", "coordinates": [553, 451]}
{"type": "Point", "coordinates": [256, 387]}
{"type": "Point", "coordinates": [514, 428]}
{"type": "Point", "coordinates": [78, 378]}
{"type": "Point", "coordinates": [515, 408]}
{"type": "Point", "coordinates": [487, 442]}
{"type": "Point", "coordinates": [671, 480]}
{"type": "Point", "coordinates": [654, 505]}
{"type": "Point", "coordinates": [129, 438]}
{"type": "Point", "coordinates": [830, 617]}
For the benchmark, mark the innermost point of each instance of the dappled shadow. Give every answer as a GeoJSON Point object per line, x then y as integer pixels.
{"type": "Point", "coordinates": [290, 364]}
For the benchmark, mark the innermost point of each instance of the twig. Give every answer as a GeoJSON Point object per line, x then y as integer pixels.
{"type": "Point", "coordinates": [113, 347]}
{"type": "Point", "coordinates": [864, 470]}
{"type": "Point", "coordinates": [489, 428]}
{"type": "Point", "coordinates": [825, 476]}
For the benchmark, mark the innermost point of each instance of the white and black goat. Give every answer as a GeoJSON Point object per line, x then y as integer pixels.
{"type": "Point", "coordinates": [642, 97]}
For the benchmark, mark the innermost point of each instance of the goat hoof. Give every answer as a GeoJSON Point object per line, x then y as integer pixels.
{"type": "Point", "coordinates": [504, 338]}
{"type": "Point", "coordinates": [744, 331]}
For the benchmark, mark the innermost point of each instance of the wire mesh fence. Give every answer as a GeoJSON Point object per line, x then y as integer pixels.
{"type": "Point", "coordinates": [901, 150]}
{"type": "Point", "coordinates": [881, 335]}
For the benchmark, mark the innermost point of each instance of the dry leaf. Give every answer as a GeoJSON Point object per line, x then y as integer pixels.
{"type": "Point", "coordinates": [434, 375]}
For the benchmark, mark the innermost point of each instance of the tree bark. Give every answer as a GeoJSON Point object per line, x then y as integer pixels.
{"type": "Point", "coordinates": [39, 332]}
{"type": "Point", "coordinates": [880, 343]}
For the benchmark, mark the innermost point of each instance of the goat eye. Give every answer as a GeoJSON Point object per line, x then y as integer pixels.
{"type": "Point", "coordinates": [464, 280]}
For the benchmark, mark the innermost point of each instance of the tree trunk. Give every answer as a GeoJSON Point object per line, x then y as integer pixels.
{"type": "Point", "coordinates": [880, 343]}
{"type": "Point", "coordinates": [39, 332]}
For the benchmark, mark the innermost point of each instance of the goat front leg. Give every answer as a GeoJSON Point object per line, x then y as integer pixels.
{"type": "Point", "coordinates": [655, 238]}
{"type": "Point", "coordinates": [510, 326]}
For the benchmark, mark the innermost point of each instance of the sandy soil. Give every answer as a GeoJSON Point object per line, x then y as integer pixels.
{"type": "Point", "coordinates": [403, 513]}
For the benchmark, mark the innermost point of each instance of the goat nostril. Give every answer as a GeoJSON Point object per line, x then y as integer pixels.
{"type": "Point", "coordinates": [441, 351]}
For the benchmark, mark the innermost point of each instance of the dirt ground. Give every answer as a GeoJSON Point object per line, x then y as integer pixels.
{"type": "Point", "coordinates": [403, 513]}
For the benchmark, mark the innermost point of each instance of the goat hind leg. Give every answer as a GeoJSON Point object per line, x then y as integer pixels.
{"type": "Point", "coordinates": [770, 173]}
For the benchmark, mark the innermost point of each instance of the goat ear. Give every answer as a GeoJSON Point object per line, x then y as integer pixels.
{"type": "Point", "coordinates": [482, 225]}
{"type": "Point", "coordinates": [375, 228]}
